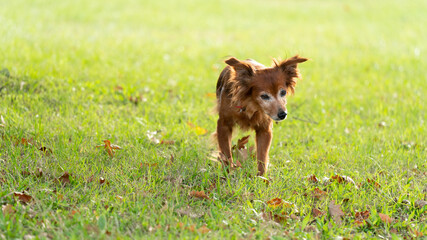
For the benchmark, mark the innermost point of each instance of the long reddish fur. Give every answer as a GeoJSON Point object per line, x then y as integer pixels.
{"type": "Point", "coordinates": [238, 86]}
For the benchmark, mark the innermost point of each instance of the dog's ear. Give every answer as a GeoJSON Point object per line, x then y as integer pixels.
{"type": "Point", "coordinates": [290, 65]}
{"type": "Point", "coordinates": [241, 68]}
{"type": "Point", "coordinates": [290, 68]}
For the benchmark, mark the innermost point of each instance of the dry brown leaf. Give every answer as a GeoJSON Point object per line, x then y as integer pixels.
{"type": "Point", "coordinates": [8, 209]}
{"type": "Point", "coordinates": [198, 130]}
{"type": "Point", "coordinates": [24, 142]}
{"type": "Point", "coordinates": [180, 225]}
{"type": "Point", "coordinates": [64, 179]}
{"type": "Point", "coordinates": [359, 223]}
{"type": "Point", "coordinates": [264, 179]}
{"type": "Point", "coordinates": [373, 183]}
{"type": "Point", "coordinates": [154, 165]}
{"type": "Point", "coordinates": [23, 197]}
{"type": "Point", "coordinates": [135, 100]}
{"type": "Point", "coordinates": [415, 232]}
{"type": "Point", "coordinates": [312, 179]}
{"type": "Point", "coordinates": [46, 150]}
{"type": "Point", "coordinates": [199, 194]}
{"type": "Point", "coordinates": [335, 212]}
{"type": "Point", "coordinates": [316, 212]}
{"type": "Point", "coordinates": [109, 147]}
{"type": "Point", "coordinates": [342, 179]}
{"type": "Point", "coordinates": [278, 202]}
{"type": "Point", "coordinates": [242, 142]}
{"type": "Point", "coordinates": [167, 142]}
{"type": "Point", "coordinates": [102, 181]}
{"type": "Point", "coordinates": [203, 230]}
{"type": "Point", "coordinates": [361, 216]}
{"type": "Point", "coordinates": [192, 228]}
{"type": "Point", "coordinates": [275, 202]}
{"type": "Point", "coordinates": [318, 194]}
{"type": "Point", "coordinates": [118, 88]}
{"type": "Point", "coordinates": [385, 218]}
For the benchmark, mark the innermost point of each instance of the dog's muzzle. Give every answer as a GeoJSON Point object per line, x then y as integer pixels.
{"type": "Point", "coordinates": [282, 115]}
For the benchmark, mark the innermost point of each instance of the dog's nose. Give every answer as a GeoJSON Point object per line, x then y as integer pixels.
{"type": "Point", "coordinates": [282, 115]}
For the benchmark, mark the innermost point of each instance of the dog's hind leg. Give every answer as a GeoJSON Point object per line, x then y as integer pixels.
{"type": "Point", "coordinates": [224, 132]}
{"type": "Point", "coordinates": [263, 142]}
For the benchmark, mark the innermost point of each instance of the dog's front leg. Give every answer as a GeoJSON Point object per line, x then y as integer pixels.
{"type": "Point", "coordinates": [224, 133]}
{"type": "Point", "coordinates": [263, 142]}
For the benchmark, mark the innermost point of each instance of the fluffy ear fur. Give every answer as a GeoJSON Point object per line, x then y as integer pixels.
{"type": "Point", "coordinates": [240, 81]}
{"type": "Point", "coordinates": [290, 68]}
{"type": "Point", "coordinates": [241, 68]}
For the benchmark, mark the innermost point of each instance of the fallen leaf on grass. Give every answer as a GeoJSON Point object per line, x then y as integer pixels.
{"type": "Point", "coordinates": [264, 179]}
{"type": "Point", "coordinates": [199, 194]}
{"type": "Point", "coordinates": [373, 183]}
{"type": "Point", "coordinates": [335, 212]}
{"type": "Point", "coordinates": [8, 209]}
{"type": "Point", "coordinates": [203, 230]}
{"type": "Point", "coordinates": [64, 179]}
{"type": "Point", "coordinates": [362, 215]}
{"type": "Point", "coordinates": [46, 150]}
{"type": "Point", "coordinates": [415, 232]}
{"type": "Point", "coordinates": [242, 142]}
{"type": "Point", "coordinates": [102, 181]}
{"type": "Point", "coordinates": [118, 88]}
{"type": "Point", "coordinates": [167, 142]}
{"type": "Point", "coordinates": [135, 100]}
{"type": "Point", "coordinates": [312, 179]}
{"type": "Point", "coordinates": [109, 147]}
{"type": "Point", "coordinates": [385, 218]}
{"type": "Point", "coordinates": [24, 142]}
{"type": "Point", "coordinates": [198, 130]}
{"type": "Point", "coordinates": [149, 165]}
{"type": "Point", "coordinates": [278, 202]}
{"type": "Point", "coordinates": [318, 194]}
{"type": "Point", "coordinates": [275, 217]}
{"type": "Point", "coordinates": [23, 197]}
{"type": "Point", "coordinates": [339, 179]}
{"type": "Point", "coordinates": [316, 212]}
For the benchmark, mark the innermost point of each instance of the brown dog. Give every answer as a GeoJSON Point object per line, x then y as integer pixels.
{"type": "Point", "coordinates": [253, 96]}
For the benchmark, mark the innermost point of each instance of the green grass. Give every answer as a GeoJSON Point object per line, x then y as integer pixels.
{"type": "Point", "coordinates": [66, 58]}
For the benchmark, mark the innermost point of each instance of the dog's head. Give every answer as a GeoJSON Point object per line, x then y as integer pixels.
{"type": "Point", "coordinates": [264, 89]}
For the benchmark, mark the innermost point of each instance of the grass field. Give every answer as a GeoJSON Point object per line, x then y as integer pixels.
{"type": "Point", "coordinates": [70, 68]}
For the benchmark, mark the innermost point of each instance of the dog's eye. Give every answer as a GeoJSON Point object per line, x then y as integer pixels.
{"type": "Point", "coordinates": [283, 93]}
{"type": "Point", "coordinates": [265, 97]}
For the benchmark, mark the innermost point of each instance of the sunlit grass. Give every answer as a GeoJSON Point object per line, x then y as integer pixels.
{"type": "Point", "coordinates": [358, 112]}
